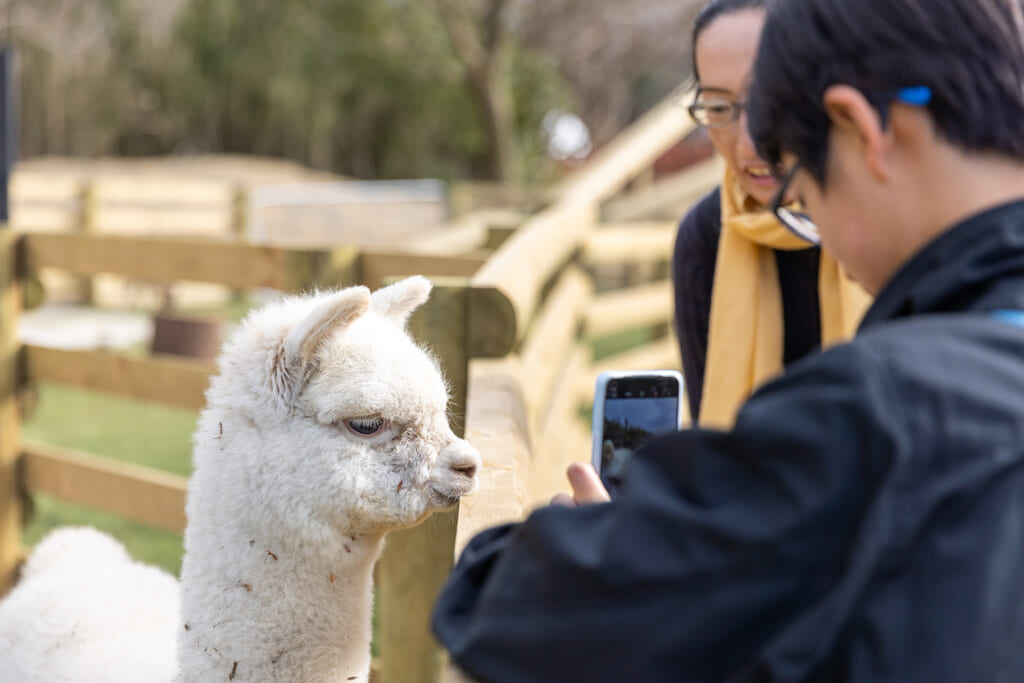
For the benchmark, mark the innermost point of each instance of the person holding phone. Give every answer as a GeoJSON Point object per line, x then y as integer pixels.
{"type": "Point", "coordinates": [750, 296]}
{"type": "Point", "coordinates": [863, 520]}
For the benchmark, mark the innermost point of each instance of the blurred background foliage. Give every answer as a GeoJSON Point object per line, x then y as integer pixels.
{"type": "Point", "coordinates": [368, 88]}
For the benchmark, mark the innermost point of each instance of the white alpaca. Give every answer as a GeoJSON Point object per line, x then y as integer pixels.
{"type": "Point", "coordinates": [325, 428]}
{"type": "Point", "coordinates": [83, 611]}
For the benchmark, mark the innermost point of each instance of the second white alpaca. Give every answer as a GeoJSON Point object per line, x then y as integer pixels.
{"type": "Point", "coordinates": [325, 428]}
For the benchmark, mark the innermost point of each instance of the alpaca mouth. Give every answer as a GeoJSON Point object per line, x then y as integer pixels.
{"type": "Point", "coordinates": [444, 499]}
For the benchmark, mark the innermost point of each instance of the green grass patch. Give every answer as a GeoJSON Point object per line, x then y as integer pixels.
{"type": "Point", "coordinates": [131, 431]}
{"type": "Point", "coordinates": [124, 429]}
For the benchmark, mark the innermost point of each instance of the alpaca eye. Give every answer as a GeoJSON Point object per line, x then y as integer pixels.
{"type": "Point", "coordinates": [366, 426]}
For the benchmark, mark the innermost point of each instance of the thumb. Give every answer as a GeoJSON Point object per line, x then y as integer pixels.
{"type": "Point", "coordinates": [586, 484]}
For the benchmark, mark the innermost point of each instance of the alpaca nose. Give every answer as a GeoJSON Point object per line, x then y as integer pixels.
{"type": "Point", "coordinates": [469, 469]}
{"type": "Point", "coordinates": [461, 458]}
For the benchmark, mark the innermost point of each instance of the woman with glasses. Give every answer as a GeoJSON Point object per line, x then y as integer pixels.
{"type": "Point", "coordinates": [750, 295]}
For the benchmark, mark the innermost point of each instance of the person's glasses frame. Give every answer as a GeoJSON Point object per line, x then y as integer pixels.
{"type": "Point", "coordinates": [797, 222]}
{"type": "Point", "coordinates": [700, 110]}
{"type": "Point", "coordinates": [800, 223]}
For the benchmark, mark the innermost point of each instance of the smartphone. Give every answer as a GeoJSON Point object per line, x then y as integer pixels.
{"type": "Point", "coordinates": [630, 408]}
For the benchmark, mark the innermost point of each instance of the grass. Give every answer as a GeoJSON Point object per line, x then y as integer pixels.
{"type": "Point", "coordinates": [122, 429]}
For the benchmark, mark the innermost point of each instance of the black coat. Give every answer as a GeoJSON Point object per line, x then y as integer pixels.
{"type": "Point", "coordinates": [863, 521]}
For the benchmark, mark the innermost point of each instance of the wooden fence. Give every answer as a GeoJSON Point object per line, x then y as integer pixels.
{"type": "Point", "coordinates": [513, 317]}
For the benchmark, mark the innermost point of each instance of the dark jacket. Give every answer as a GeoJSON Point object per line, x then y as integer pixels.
{"type": "Point", "coordinates": [863, 521]}
{"type": "Point", "coordinates": [693, 275]}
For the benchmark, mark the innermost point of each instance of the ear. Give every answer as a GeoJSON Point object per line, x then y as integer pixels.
{"type": "Point", "coordinates": [294, 360]}
{"type": "Point", "coordinates": [851, 114]}
{"type": "Point", "coordinates": [399, 300]}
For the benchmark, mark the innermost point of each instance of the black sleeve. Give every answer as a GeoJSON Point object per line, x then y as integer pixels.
{"type": "Point", "coordinates": [693, 272]}
{"type": "Point", "coordinates": [714, 540]}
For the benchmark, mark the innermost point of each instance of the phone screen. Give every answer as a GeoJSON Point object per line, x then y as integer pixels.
{"type": "Point", "coordinates": [635, 409]}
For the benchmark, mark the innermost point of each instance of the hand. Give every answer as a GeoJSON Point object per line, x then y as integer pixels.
{"type": "Point", "coordinates": [586, 487]}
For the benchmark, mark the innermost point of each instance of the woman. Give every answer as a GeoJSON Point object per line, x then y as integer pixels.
{"type": "Point", "coordinates": [750, 296]}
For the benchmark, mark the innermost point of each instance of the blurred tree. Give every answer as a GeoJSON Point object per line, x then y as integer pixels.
{"type": "Point", "coordinates": [371, 88]}
{"type": "Point", "coordinates": [618, 58]}
{"type": "Point", "coordinates": [378, 89]}
{"type": "Point", "coordinates": [478, 35]}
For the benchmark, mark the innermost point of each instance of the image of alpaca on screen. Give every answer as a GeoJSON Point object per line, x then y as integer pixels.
{"type": "Point", "coordinates": [629, 409]}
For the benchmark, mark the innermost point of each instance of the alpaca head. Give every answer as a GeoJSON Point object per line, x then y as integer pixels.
{"type": "Point", "coordinates": [348, 415]}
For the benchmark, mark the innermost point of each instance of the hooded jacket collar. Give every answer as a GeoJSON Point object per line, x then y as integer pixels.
{"type": "Point", "coordinates": [977, 264]}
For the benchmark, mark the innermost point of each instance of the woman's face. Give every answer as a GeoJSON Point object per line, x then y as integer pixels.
{"type": "Point", "coordinates": [725, 52]}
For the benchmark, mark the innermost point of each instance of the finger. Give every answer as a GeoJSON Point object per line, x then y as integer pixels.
{"type": "Point", "coordinates": [586, 484]}
{"type": "Point", "coordinates": [563, 499]}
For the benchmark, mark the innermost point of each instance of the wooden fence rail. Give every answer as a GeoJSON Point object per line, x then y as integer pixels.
{"type": "Point", "coordinates": [141, 494]}
{"type": "Point", "coordinates": [169, 380]}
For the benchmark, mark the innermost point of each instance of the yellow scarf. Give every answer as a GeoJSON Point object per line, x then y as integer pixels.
{"type": "Point", "coordinates": [745, 330]}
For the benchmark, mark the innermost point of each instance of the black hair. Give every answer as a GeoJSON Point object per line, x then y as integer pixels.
{"type": "Point", "coordinates": [970, 53]}
{"type": "Point", "coordinates": [707, 15]}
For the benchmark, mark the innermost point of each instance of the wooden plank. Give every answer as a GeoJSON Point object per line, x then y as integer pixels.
{"type": "Point", "coordinates": [551, 340]}
{"type": "Point", "coordinates": [497, 425]}
{"type": "Point", "coordinates": [10, 419]}
{"type": "Point", "coordinates": [641, 306]}
{"type": "Point", "coordinates": [181, 221]}
{"type": "Point", "coordinates": [564, 438]}
{"type": "Point", "coordinates": [416, 561]}
{"type": "Point", "coordinates": [377, 265]}
{"type": "Point", "coordinates": [39, 218]}
{"type": "Point", "coordinates": [667, 196]}
{"type": "Point", "coordinates": [168, 380]}
{"type": "Point", "coordinates": [530, 258]}
{"type": "Point", "coordinates": [164, 191]}
{"type": "Point", "coordinates": [492, 323]}
{"type": "Point", "coordinates": [630, 242]}
{"type": "Point", "coordinates": [142, 494]}
{"type": "Point", "coordinates": [240, 266]}
{"type": "Point", "coordinates": [29, 186]}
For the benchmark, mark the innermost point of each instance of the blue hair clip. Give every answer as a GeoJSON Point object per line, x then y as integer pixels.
{"type": "Point", "coordinates": [917, 96]}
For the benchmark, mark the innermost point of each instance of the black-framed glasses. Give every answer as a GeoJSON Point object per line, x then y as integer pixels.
{"type": "Point", "coordinates": [715, 111]}
{"type": "Point", "coordinates": [797, 222]}
{"type": "Point", "coordinates": [800, 223]}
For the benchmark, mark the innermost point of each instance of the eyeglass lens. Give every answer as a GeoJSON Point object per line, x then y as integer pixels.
{"type": "Point", "coordinates": [715, 111]}
{"type": "Point", "coordinates": [800, 223]}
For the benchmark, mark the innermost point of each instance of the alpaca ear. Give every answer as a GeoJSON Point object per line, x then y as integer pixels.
{"type": "Point", "coordinates": [292, 364]}
{"type": "Point", "coordinates": [399, 300]}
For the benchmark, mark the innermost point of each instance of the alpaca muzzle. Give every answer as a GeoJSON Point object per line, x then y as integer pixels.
{"type": "Point", "coordinates": [456, 472]}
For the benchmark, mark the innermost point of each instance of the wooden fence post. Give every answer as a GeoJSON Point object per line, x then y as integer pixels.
{"type": "Point", "coordinates": [10, 427]}
{"type": "Point", "coordinates": [417, 561]}
{"type": "Point", "coordinates": [240, 212]}
{"type": "Point", "coordinates": [88, 207]}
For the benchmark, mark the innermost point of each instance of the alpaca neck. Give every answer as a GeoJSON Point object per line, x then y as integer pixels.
{"type": "Point", "coordinates": [264, 610]}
